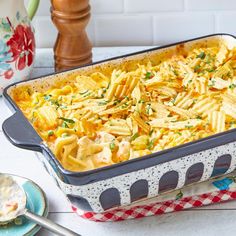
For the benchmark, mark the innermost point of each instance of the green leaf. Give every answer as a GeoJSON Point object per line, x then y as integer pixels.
{"type": "Point", "coordinates": [6, 25]}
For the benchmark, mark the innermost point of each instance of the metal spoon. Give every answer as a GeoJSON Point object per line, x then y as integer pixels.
{"type": "Point", "coordinates": [11, 189]}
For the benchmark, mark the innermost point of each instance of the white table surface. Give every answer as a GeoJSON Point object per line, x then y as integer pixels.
{"type": "Point", "coordinates": [211, 220]}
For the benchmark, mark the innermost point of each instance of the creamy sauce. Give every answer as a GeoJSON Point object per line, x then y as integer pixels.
{"type": "Point", "coordinates": [12, 198]}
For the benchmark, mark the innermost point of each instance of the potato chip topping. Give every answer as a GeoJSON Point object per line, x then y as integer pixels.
{"type": "Point", "coordinates": [105, 118]}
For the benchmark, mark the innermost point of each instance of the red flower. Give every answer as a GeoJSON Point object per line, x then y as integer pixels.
{"type": "Point", "coordinates": [8, 74]}
{"type": "Point", "coordinates": [22, 46]}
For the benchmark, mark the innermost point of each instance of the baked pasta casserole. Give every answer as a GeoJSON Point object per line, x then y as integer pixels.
{"type": "Point", "coordinates": [102, 118]}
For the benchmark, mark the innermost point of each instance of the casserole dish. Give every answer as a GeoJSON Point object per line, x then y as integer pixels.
{"type": "Point", "coordinates": [121, 184]}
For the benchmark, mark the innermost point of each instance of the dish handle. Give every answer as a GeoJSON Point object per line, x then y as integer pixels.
{"type": "Point", "coordinates": [20, 133]}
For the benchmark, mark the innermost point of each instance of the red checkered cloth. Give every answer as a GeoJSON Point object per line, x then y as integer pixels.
{"type": "Point", "coordinates": [159, 208]}
{"type": "Point", "coordinates": [212, 191]}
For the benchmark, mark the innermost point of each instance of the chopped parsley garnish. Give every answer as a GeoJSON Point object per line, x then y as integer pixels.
{"type": "Point", "coordinates": [29, 91]}
{"type": "Point", "coordinates": [64, 125]}
{"type": "Point", "coordinates": [124, 106]}
{"type": "Point", "coordinates": [134, 136]}
{"type": "Point", "coordinates": [148, 109]}
{"type": "Point", "coordinates": [188, 126]}
{"type": "Point", "coordinates": [67, 120]}
{"type": "Point", "coordinates": [116, 102]}
{"type": "Point", "coordinates": [232, 86]}
{"type": "Point", "coordinates": [64, 135]}
{"type": "Point", "coordinates": [198, 117]}
{"type": "Point", "coordinates": [141, 101]}
{"type": "Point", "coordinates": [202, 55]}
{"type": "Point", "coordinates": [175, 72]}
{"type": "Point", "coordinates": [196, 68]}
{"type": "Point", "coordinates": [47, 97]}
{"type": "Point", "coordinates": [151, 144]}
{"type": "Point", "coordinates": [82, 93]}
{"type": "Point", "coordinates": [102, 103]}
{"type": "Point", "coordinates": [173, 101]}
{"type": "Point", "coordinates": [148, 75]}
{"type": "Point", "coordinates": [190, 81]}
{"type": "Point", "coordinates": [151, 132]}
{"type": "Point", "coordinates": [210, 70]}
{"type": "Point", "coordinates": [87, 94]}
{"type": "Point", "coordinates": [211, 83]}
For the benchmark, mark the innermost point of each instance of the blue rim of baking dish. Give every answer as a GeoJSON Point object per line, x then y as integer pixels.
{"type": "Point", "coordinates": [118, 168]}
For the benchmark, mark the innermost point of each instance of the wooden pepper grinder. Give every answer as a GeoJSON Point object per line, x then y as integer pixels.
{"type": "Point", "coordinates": [72, 47]}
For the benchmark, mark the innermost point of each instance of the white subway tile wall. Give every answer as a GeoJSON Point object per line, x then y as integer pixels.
{"type": "Point", "coordinates": [145, 22]}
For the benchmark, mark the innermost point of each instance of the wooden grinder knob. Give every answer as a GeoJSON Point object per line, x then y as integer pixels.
{"type": "Point", "coordinates": [72, 47]}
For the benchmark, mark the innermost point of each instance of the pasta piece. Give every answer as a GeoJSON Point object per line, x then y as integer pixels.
{"type": "Point", "coordinates": [103, 158]}
{"type": "Point", "coordinates": [83, 150]}
{"type": "Point", "coordinates": [108, 115]}
{"type": "Point", "coordinates": [140, 142]}
{"type": "Point", "coordinates": [123, 152]}
{"type": "Point", "coordinates": [64, 146]}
